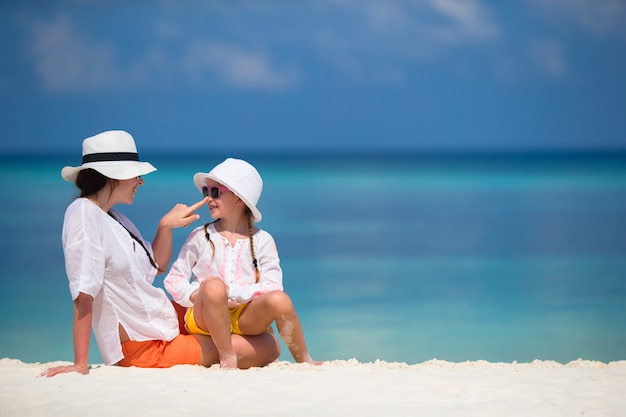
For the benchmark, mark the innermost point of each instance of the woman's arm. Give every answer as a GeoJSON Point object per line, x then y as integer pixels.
{"type": "Point", "coordinates": [83, 309]}
{"type": "Point", "coordinates": [180, 215]}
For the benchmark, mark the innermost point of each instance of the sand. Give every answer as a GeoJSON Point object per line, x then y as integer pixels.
{"type": "Point", "coordinates": [337, 388]}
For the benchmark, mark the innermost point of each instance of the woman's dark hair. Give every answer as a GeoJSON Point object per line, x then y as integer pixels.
{"type": "Point", "coordinates": [89, 181]}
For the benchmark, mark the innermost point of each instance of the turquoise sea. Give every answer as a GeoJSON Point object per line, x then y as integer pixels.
{"type": "Point", "coordinates": [393, 257]}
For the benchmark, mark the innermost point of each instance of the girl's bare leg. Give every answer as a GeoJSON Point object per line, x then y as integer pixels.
{"type": "Point", "coordinates": [277, 306]}
{"type": "Point", "coordinates": [211, 313]}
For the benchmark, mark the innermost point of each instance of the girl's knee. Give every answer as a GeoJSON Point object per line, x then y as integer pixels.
{"type": "Point", "coordinates": [280, 301]}
{"type": "Point", "coordinates": [213, 288]}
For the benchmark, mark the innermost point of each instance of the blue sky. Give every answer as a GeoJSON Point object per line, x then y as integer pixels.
{"type": "Point", "coordinates": [338, 75]}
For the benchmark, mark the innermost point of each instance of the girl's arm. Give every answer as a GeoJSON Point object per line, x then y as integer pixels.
{"type": "Point", "coordinates": [83, 309]}
{"type": "Point", "coordinates": [177, 281]}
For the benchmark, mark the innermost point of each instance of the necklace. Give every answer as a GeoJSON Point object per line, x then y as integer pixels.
{"type": "Point", "coordinates": [152, 262]}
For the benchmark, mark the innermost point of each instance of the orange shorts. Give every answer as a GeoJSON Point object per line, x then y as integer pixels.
{"type": "Point", "coordinates": [182, 350]}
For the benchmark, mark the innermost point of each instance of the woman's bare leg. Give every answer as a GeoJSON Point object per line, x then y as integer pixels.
{"type": "Point", "coordinates": [252, 351]}
{"type": "Point", "coordinates": [258, 350]}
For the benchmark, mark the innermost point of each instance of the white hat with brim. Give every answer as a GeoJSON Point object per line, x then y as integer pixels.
{"type": "Point", "coordinates": [239, 177]}
{"type": "Point", "coordinates": [113, 154]}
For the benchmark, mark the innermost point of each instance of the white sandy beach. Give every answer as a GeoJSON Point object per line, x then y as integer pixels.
{"type": "Point", "coordinates": [337, 388]}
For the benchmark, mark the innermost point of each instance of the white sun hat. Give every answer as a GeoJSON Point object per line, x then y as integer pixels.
{"type": "Point", "coordinates": [113, 154]}
{"type": "Point", "coordinates": [239, 177]}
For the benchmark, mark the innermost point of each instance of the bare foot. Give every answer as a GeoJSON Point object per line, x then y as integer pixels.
{"type": "Point", "coordinates": [307, 359]}
{"type": "Point", "coordinates": [228, 362]}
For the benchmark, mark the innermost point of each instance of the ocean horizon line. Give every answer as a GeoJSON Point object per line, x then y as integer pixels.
{"type": "Point", "coordinates": [343, 153]}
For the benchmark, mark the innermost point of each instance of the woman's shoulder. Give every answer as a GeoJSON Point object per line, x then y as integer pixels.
{"type": "Point", "coordinates": [83, 205]}
{"type": "Point", "coordinates": [80, 202]}
{"type": "Point", "coordinates": [81, 215]}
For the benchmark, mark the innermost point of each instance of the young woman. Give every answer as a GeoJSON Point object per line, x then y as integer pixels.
{"type": "Point", "coordinates": [236, 280]}
{"type": "Point", "coordinates": [111, 269]}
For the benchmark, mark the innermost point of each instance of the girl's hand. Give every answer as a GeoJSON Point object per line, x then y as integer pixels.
{"type": "Point", "coordinates": [181, 215]}
{"type": "Point", "coordinates": [81, 369]}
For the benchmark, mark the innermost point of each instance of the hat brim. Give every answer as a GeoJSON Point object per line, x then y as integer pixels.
{"type": "Point", "coordinates": [117, 170]}
{"type": "Point", "coordinates": [200, 180]}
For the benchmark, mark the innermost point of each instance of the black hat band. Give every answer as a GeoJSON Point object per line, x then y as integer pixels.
{"type": "Point", "coordinates": [110, 156]}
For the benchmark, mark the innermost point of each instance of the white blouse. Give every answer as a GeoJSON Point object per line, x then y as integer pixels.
{"type": "Point", "coordinates": [105, 262]}
{"type": "Point", "coordinates": [233, 264]}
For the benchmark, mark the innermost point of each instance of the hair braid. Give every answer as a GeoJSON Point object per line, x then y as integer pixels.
{"type": "Point", "coordinates": [254, 261]}
{"type": "Point", "coordinates": [208, 237]}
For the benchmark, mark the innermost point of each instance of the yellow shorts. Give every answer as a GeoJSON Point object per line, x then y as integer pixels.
{"type": "Point", "coordinates": [193, 328]}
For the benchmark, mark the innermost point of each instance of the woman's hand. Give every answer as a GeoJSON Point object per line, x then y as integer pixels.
{"type": "Point", "coordinates": [83, 309]}
{"type": "Point", "coordinates": [81, 369]}
{"type": "Point", "coordinates": [181, 215]}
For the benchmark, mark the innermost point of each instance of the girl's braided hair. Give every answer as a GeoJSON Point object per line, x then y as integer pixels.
{"type": "Point", "coordinates": [254, 261]}
{"type": "Point", "coordinates": [208, 236]}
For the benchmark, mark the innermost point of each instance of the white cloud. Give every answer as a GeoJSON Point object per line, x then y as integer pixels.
{"type": "Point", "coordinates": [236, 67]}
{"type": "Point", "coordinates": [453, 21]}
{"type": "Point", "coordinates": [370, 38]}
{"type": "Point", "coordinates": [598, 17]}
{"type": "Point", "coordinates": [468, 20]}
{"type": "Point", "coordinates": [67, 61]}
{"type": "Point", "coordinates": [64, 61]}
{"type": "Point", "coordinates": [360, 40]}
{"type": "Point", "coordinates": [442, 22]}
{"type": "Point", "coordinates": [548, 56]}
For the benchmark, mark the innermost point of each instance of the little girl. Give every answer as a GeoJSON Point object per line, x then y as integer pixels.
{"type": "Point", "coordinates": [236, 279]}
